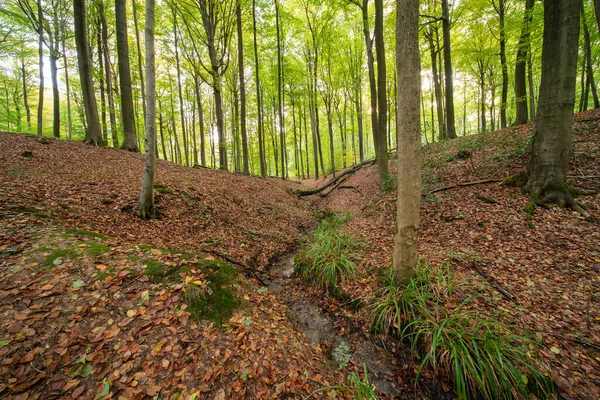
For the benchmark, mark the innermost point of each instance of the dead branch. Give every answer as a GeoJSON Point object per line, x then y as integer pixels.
{"type": "Point", "coordinates": [352, 170]}
{"type": "Point", "coordinates": [349, 187]}
{"type": "Point", "coordinates": [465, 184]}
{"type": "Point", "coordinates": [492, 281]}
{"type": "Point", "coordinates": [238, 263]}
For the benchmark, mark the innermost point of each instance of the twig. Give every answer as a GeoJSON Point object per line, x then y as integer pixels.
{"type": "Point", "coordinates": [465, 184]}
{"type": "Point", "coordinates": [492, 281]}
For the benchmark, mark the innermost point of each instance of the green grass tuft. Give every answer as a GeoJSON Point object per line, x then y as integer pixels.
{"type": "Point", "coordinates": [484, 358]}
{"type": "Point", "coordinates": [329, 259]}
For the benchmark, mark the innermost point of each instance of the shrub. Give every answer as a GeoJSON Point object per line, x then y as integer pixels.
{"type": "Point", "coordinates": [484, 358]}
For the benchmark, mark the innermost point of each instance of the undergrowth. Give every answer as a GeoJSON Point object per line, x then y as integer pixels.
{"type": "Point", "coordinates": [483, 357]}
{"type": "Point", "coordinates": [329, 258]}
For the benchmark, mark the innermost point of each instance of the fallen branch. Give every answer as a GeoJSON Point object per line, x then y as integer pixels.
{"type": "Point", "coordinates": [235, 262]}
{"type": "Point", "coordinates": [325, 194]}
{"type": "Point", "coordinates": [584, 176]}
{"type": "Point", "coordinates": [350, 187]}
{"type": "Point", "coordinates": [465, 184]}
{"type": "Point", "coordinates": [492, 281]}
{"type": "Point", "coordinates": [352, 170]}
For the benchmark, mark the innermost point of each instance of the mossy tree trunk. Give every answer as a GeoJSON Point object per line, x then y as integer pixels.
{"type": "Point", "coordinates": [545, 178]}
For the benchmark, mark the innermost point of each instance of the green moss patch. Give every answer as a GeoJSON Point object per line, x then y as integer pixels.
{"type": "Point", "coordinates": [59, 254]}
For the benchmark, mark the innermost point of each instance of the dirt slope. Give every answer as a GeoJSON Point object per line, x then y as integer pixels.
{"type": "Point", "coordinates": [550, 261]}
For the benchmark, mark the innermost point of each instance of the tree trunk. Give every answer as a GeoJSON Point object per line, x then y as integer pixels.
{"type": "Point", "coordinates": [101, 83]}
{"type": "Point", "coordinates": [450, 129]}
{"type": "Point", "coordinates": [240, 37]}
{"type": "Point", "coordinates": [200, 121]}
{"type": "Point", "coordinates": [597, 12]}
{"type": "Point", "coordinates": [530, 85]}
{"type": "Point", "coordinates": [146, 201]}
{"type": "Point", "coordinates": [179, 90]}
{"type": "Point", "coordinates": [548, 166]}
{"type": "Point", "coordinates": [382, 157]}
{"type": "Point", "coordinates": [25, 101]}
{"type": "Point", "coordinates": [280, 93]}
{"type": "Point", "coordinates": [108, 74]}
{"type": "Point", "coordinates": [405, 256]}
{"type": "Point", "coordinates": [40, 108]}
{"type": "Point", "coordinates": [93, 134]}
{"type": "Point", "coordinates": [520, 64]}
{"type": "Point", "coordinates": [588, 50]}
{"type": "Point", "coordinates": [504, 96]}
{"type": "Point", "coordinates": [54, 54]}
{"type": "Point", "coordinates": [261, 149]}
{"type": "Point", "coordinates": [127, 113]}
{"type": "Point", "coordinates": [139, 57]}
{"type": "Point", "coordinates": [436, 85]}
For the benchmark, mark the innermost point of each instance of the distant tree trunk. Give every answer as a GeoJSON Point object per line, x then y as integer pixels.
{"type": "Point", "coordinates": [139, 56]}
{"type": "Point", "coordinates": [240, 37]}
{"type": "Point", "coordinates": [520, 64]}
{"type": "Point", "coordinates": [161, 128]}
{"type": "Point", "coordinates": [597, 12]}
{"type": "Point", "coordinates": [55, 94]}
{"type": "Point", "coordinates": [450, 129]}
{"type": "Point", "coordinates": [530, 85]}
{"type": "Point", "coordinates": [405, 256]}
{"type": "Point", "coordinates": [500, 9]}
{"type": "Point", "coordinates": [146, 201]}
{"type": "Point", "coordinates": [127, 112]}
{"type": "Point", "coordinates": [179, 90]}
{"type": "Point", "coordinates": [261, 148]}
{"type": "Point", "coordinates": [108, 74]}
{"type": "Point", "coordinates": [280, 93]}
{"type": "Point", "coordinates": [382, 157]}
{"type": "Point", "coordinates": [436, 84]}
{"type": "Point", "coordinates": [588, 51]}
{"type": "Point", "coordinates": [548, 166]}
{"type": "Point", "coordinates": [40, 108]}
{"type": "Point", "coordinates": [200, 121]}
{"type": "Point", "coordinates": [93, 134]}
{"type": "Point", "coordinates": [306, 142]}
{"type": "Point", "coordinates": [25, 91]}
{"type": "Point", "coordinates": [101, 83]}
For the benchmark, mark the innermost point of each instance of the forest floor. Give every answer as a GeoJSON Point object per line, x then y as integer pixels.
{"type": "Point", "coordinates": [96, 303]}
{"type": "Point", "coordinates": [549, 261]}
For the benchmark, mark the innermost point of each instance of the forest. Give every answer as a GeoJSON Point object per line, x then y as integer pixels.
{"type": "Point", "coordinates": [348, 199]}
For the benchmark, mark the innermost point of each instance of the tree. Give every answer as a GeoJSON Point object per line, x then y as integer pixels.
{"type": "Point", "coordinates": [546, 174]}
{"type": "Point", "coordinates": [520, 72]}
{"type": "Point", "coordinates": [93, 133]}
{"type": "Point", "coordinates": [381, 142]}
{"type": "Point", "coordinates": [261, 147]}
{"type": "Point", "coordinates": [146, 201]}
{"type": "Point", "coordinates": [450, 128]}
{"type": "Point", "coordinates": [240, 38]}
{"type": "Point", "coordinates": [409, 140]}
{"type": "Point", "coordinates": [127, 112]}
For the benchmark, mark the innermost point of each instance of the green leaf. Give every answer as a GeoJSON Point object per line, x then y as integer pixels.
{"type": "Point", "coordinates": [245, 374]}
{"type": "Point", "coordinates": [262, 290]}
{"type": "Point", "coordinates": [58, 261]}
{"type": "Point", "coordinates": [105, 390]}
{"type": "Point", "coordinates": [78, 283]}
{"type": "Point", "coordinates": [247, 322]}
{"type": "Point", "coordinates": [4, 342]}
{"type": "Point", "coordinates": [530, 283]}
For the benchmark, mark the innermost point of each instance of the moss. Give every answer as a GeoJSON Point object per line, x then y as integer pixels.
{"type": "Point", "coordinates": [486, 199]}
{"type": "Point", "coordinates": [390, 183]}
{"type": "Point", "coordinates": [95, 249]}
{"type": "Point", "coordinates": [218, 303]}
{"type": "Point", "coordinates": [27, 154]}
{"type": "Point", "coordinates": [160, 188]}
{"type": "Point", "coordinates": [517, 180]}
{"type": "Point", "coordinates": [64, 206]}
{"type": "Point", "coordinates": [144, 247]}
{"type": "Point", "coordinates": [83, 232]}
{"type": "Point", "coordinates": [59, 254]}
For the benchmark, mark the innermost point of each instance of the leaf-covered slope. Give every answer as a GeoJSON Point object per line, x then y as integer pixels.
{"type": "Point", "coordinates": [200, 209]}
{"type": "Point", "coordinates": [550, 261]}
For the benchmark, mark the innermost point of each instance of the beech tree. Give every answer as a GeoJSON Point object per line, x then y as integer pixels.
{"type": "Point", "coordinates": [146, 201]}
{"type": "Point", "coordinates": [546, 174]}
{"type": "Point", "coordinates": [93, 133]}
{"type": "Point", "coordinates": [408, 126]}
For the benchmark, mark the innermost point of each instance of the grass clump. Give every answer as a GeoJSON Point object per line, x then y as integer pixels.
{"type": "Point", "coordinates": [484, 358]}
{"type": "Point", "coordinates": [215, 299]}
{"type": "Point", "coordinates": [328, 259]}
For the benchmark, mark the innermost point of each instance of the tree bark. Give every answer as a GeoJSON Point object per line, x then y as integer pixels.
{"type": "Point", "coordinates": [240, 37]}
{"type": "Point", "coordinates": [504, 96]}
{"type": "Point", "coordinates": [139, 56]}
{"type": "Point", "coordinates": [261, 148]}
{"type": "Point", "coordinates": [520, 65]}
{"type": "Point", "coordinates": [127, 113]}
{"type": "Point", "coordinates": [200, 121]}
{"type": "Point", "coordinates": [408, 205]}
{"type": "Point", "coordinates": [179, 90]}
{"type": "Point", "coordinates": [108, 74]}
{"type": "Point", "coordinates": [40, 108]}
{"type": "Point", "coordinates": [93, 134]}
{"type": "Point", "coordinates": [588, 50]}
{"type": "Point", "coordinates": [547, 170]}
{"type": "Point", "coordinates": [146, 201]}
{"type": "Point", "coordinates": [450, 128]}
{"type": "Point", "coordinates": [25, 91]}
{"type": "Point", "coordinates": [436, 84]}
{"type": "Point", "coordinates": [281, 124]}
{"type": "Point", "coordinates": [382, 156]}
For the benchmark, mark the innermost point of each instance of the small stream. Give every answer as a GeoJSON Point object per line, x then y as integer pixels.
{"type": "Point", "coordinates": [324, 330]}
